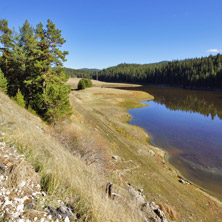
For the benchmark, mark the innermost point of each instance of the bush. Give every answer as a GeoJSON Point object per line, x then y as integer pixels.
{"type": "Point", "coordinates": [81, 84]}
{"type": "Point", "coordinates": [88, 83]}
{"type": "Point", "coordinates": [3, 82]}
{"type": "Point", "coordinates": [84, 83]}
{"type": "Point", "coordinates": [19, 99]}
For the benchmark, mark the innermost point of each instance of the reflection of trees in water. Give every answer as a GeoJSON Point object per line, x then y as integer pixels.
{"type": "Point", "coordinates": [205, 103]}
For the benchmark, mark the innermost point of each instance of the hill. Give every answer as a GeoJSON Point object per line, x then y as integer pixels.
{"type": "Point", "coordinates": [202, 72]}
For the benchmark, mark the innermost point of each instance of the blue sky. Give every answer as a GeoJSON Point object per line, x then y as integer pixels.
{"type": "Point", "coordinates": [103, 33]}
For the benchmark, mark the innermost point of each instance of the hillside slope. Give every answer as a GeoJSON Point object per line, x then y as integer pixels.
{"type": "Point", "coordinates": [64, 176]}
{"type": "Point", "coordinates": [76, 159]}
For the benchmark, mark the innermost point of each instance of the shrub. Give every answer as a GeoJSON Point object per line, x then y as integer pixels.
{"type": "Point", "coordinates": [3, 82]}
{"type": "Point", "coordinates": [84, 83]}
{"type": "Point", "coordinates": [88, 83]}
{"type": "Point", "coordinates": [19, 99]}
{"type": "Point", "coordinates": [81, 84]}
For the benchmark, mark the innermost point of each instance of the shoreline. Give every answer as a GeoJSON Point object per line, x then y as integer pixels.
{"type": "Point", "coordinates": [103, 113]}
{"type": "Point", "coordinates": [138, 84]}
{"type": "Point", "coordinates": [167, 156]}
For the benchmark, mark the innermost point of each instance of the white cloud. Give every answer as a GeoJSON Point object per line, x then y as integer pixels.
{"type": "Point", "coordinates": [214, 50]}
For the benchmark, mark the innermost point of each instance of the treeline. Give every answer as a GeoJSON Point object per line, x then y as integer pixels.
{"type": "Point", "coordinates": [203, 72]}
{"type": "Point", "coordinates": [31, 61]}
{"type": "Point", "coordinates": [79, 73]}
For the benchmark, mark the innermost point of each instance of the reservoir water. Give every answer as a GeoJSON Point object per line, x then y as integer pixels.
{"type": "Point", "coordinates": [188, 125]}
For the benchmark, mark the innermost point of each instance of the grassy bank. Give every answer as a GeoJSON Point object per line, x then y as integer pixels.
{"type": "Point", "coordinates": [77, 158]}
{"type": "Point", "coordinates": [64, 175]}
{"type": "Point", "coordinates": [105, 109]}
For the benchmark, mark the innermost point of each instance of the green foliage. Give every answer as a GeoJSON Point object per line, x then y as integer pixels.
{"type": "Point", "coordinates": [84, 83]}
{"type": "Point", "coordinates": [55, 101]}
{"type": "Point", "coordinates": [203, 72]}
{"type": "Point", "coordinates": [3, 82]}
{"type": "Point", "coordinates": [32, 61]}
{"type": "Point", "coordinates": [19, 99]}
{"type": "Point", "coordinates": [88, 83]}
{"type": "Point", "coordinates": [79, 73]}
{"type": "Point", "coordinates": [81, 84]}
{"type": "Point", "coordinates": [31, 110]}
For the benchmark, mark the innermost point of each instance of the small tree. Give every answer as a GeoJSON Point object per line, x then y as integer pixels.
{"type": "Point", "coordinates": [19, 99]}
{"type": "Point", "coordinates": [3, 82]}
{"type": "Point", "coordinates": [81, 84]}
{"type": "Point", "coordinates": [55, 102]}
{"type": "Point", "coordinates": [88, 82]}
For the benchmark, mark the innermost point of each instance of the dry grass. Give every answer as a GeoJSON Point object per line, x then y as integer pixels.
{"type": "Point", "coordinates": [74, 82]}
{"type": "Point", "coordinates": [63, 174]}
{"type": "Point", "coordinates": [168, 210]}
{"type": "Point", "coordinates": [21, 171]}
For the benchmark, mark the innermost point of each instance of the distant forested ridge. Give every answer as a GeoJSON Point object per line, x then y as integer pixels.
{"type": "Point", "coordinates": [80, 73]}
{"type": "Point", "coordinates": [205, 72]}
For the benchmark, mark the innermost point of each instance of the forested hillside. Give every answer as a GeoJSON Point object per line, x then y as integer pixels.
{"type": "Point", "coordinates": [79, 73]}
{"type": "Point", "coordinates": [203, 72]}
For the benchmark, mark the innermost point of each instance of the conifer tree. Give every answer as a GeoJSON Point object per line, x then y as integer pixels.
{"type": "Point", "coordinates": [51, 99]}
{"type": "Point", "coordinates": [33, 62]}
{"type": "Point", "coordinates": [6, 42]}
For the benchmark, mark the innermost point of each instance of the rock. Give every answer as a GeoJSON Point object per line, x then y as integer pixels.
{"type": "Point", "coordinates": [152, 152]}
{"type": "Point", "coordinates": [49, 217]}
{"type": "Point", "coordinates": [29, 205]}
{"type": "Point", "coordinates": [52, 211]}
{"type": "Point", "coordinates": [114, 157]}
{"type": "Point", "coordinates": [2, 169]}
{"type": "Point", "coordinates": [70, 207]}
{"type": "Point", "coordinates": [140, 190]}
{"type": "Point", "coordinates": [150, 211]}
{"type": "Point", "coordinates": [182, 181]}
{"type": "Point", "coordinates": [115, 195]}
{"type": "Point", "coordinates": [65, 211]}
{"type": "Point", "coordinates": [66, 219]}
{"type": "Point", "coordinates": [156, 209]}
{"type": "Point", "coordinates": [137, 196]}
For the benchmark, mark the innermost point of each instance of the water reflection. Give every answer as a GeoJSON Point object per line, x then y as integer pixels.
{"type": "Point", "coordinates": [188, 124]}
{"type": "Point", "coordinates": [207, 103]}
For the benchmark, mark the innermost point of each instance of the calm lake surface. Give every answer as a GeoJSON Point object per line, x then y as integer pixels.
{"type": "Point", "coordinates": [187, 124]}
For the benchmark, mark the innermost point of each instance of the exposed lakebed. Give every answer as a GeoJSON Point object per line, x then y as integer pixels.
{"type": "Point", "coordinates": [188, 125]}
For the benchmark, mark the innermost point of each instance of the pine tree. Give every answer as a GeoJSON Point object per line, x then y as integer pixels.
{"type": "Point", "coordinates": [51, 95]}
{"type": "Point", "coordinates": [33, 63]}
{"type": "Point", "coordinates": [6, 42]}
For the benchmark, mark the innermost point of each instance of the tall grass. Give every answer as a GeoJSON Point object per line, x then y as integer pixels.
{"type": "Point", "coordinates": [64, 175]}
